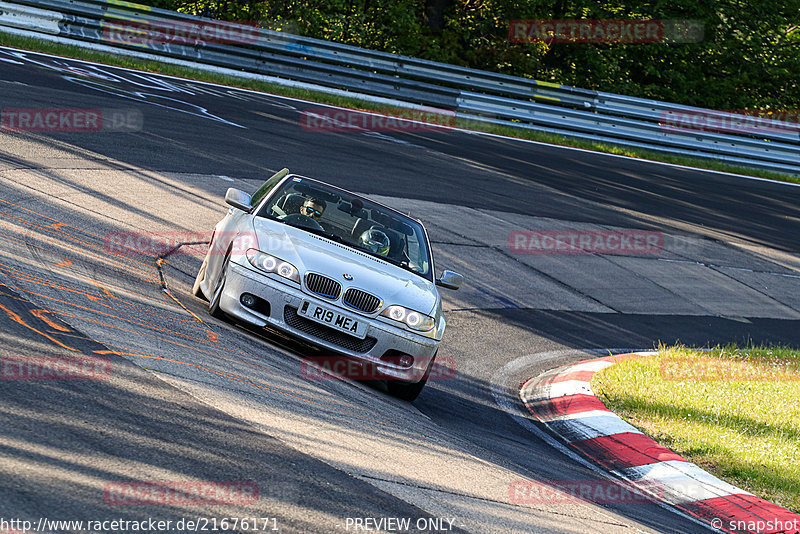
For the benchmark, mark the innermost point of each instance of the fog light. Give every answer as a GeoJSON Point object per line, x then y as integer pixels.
{"type": "Point", "coordinates": [248, 300]}
{"type": "Point", "coordinates": [405, 360]}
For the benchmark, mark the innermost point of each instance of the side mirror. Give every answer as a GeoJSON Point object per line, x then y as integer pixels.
{"type": "Point", "coordinates": [450, 280]}
{"type": "Point", "coordinates": [238, 199]}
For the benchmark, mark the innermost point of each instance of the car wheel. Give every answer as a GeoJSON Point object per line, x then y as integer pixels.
{"type": "Point", "coordinates": [213, 305]}
{"type": "Point", "coordinates": [409, 392]}
{"type": "Point", "coordinates": [201, 275]}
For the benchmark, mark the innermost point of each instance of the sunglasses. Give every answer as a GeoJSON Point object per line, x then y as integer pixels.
{"type": "Point", "coordinates": [312, 212]}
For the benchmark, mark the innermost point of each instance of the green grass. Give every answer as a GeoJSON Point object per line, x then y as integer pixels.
{"type": "Point", "coordinates": [733, 411]}
{"type": "Point", "coordinates": [27, 43]}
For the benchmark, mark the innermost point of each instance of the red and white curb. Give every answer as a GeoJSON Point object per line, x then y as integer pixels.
{"type": "Point", "coordinates": [563, 401]}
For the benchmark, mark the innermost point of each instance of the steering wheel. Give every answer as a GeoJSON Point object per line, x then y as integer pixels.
{"type": "Point", "coordinates": [298, 219]}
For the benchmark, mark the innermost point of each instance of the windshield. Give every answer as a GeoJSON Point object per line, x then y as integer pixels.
{"type": "Point", "coordinates": [351, 220]}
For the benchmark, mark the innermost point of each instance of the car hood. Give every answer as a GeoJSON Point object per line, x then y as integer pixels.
{"type": "Point", "coordinates": [310, 252]}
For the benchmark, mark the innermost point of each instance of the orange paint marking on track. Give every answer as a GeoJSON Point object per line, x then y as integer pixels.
{"type": "Point", "coordinates": [47, 239]}
{"type": "Point", "coordinates": [70, 237]}
{"type": "Point", "coordinates": [246, 380]}
{"type": "Point", "coordinates": [42, 227]}
{"type": "Point", "coordinates": [137, 306]}
{"type": "Point", "coordinates": [222, 354]}
{"type": "Point", "coordinates": [19, 275]}
{"type": "Point", "coordinates": [123, 319]}
{"type": "Point", "coordinates": [210, 334]}
{"type": "Point", "coordinates": [57, 224]}
{"type": "Point", "coordinates": [110, 295]}
{"type": "Point", "coordinates": [47, 283]}
{"type": "Point", "coordinates": [16, 318]}
{"type": "Point", "coordinates": [144, 324]}
{"type": "Point", "coordinates": [114, 297]}
{"type": "Point", "coordinates": [105, 291]}
{"type": "Point", "coordinates": [65, 263]}
{"type": "Point", "coordinates": [102, 302]}
{"type": "Point", "coordinates": [40, 314]}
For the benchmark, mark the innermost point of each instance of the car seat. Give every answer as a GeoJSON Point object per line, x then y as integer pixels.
{"type": "Point", "coordinates": [291, 203]}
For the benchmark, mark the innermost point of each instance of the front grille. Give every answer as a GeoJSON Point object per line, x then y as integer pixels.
{"type": "Point", "coordinates": [325, 333]}
{"type": "Point", "coordinates": [361, 300]}
{"type": "Point", "coordinates": [323, 286]}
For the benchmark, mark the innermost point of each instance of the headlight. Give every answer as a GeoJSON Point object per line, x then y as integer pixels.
{"type": "Point", "coordinates": [412, 319]}
{"type": "Point", "coordinates": [271, 264]}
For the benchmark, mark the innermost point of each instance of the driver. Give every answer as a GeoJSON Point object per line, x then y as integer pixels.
{"type": "Point", "coordinates": [314, 208]}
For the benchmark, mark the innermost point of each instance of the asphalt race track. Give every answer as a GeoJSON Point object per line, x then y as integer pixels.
{"type": "Point", "coordinates": [185, 398]}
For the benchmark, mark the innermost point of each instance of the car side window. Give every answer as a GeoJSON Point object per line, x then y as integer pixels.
{"type": "Point", "coordinates": [265, 188]}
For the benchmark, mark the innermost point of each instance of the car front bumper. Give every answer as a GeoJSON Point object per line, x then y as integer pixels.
{"type": "Point", "coordinates": [284, 301]}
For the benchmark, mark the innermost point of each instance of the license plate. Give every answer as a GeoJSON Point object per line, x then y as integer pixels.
{"type": "Point", "coordinates": [334, 319]}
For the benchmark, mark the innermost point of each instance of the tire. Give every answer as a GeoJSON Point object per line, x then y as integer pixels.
{"type": "Point", "coordinates": [409, 392]}
{"type": "Point", "coordinates": [201, 275]}
{"type": "Point", "coordinates": [213, 305]}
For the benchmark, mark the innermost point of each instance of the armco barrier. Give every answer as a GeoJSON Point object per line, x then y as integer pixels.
{"type": "Point", "coordinates": [472, 94]}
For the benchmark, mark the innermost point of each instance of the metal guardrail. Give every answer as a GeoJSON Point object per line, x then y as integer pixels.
{"type": "Point", "coordinates": [474, 94]}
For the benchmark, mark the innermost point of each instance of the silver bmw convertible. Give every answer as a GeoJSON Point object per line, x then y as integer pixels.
{"type": "Point", "coordinates": [346, 274]}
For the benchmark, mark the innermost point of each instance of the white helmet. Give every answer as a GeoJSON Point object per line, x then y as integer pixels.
{"type": "Point", "coordinates": [376, 241]}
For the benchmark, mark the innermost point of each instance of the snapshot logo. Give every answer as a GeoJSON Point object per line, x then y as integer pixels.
{"type": "Point", "coordinates": [631, 242]}
{"type": "Point", "coordinates": [397, 120]}
{"type": "Point", "coordinates": [605, 31]}
{"type": "Point", "coordinates": [575, 491]}
{"type": "Point", "coordinates": [788, 523]}
{"type": "Point", "coordinates": [38, 120]}
{"type": "Point", "coordinates": [332, 367]}
{"type": "Point", "coordinates": [145, 33]}
{"type": "Point", "coordinates": [709, 369]}
{"type": "Point", "coordinates": [732, 121]}
{"type": "Point", "coordinates": [180, 493]}
{"type": "Point", "coordinates": [78, 367]}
